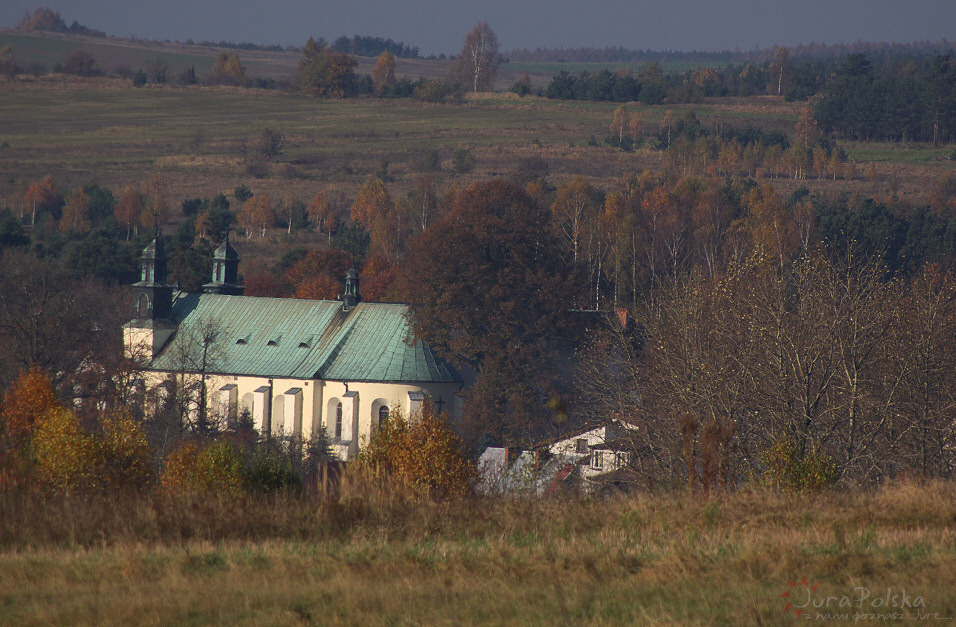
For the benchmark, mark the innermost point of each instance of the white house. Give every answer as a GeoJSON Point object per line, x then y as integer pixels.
{"type": "Point", "coordinates": [295, 365]}
{"type": "Point", "coordinates": [588, 456]}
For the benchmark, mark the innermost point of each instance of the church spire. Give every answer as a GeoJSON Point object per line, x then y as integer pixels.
{"type": "Point", "coordinates": [225, 271]}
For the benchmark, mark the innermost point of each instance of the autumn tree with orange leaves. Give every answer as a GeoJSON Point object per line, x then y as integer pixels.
{"type": "Point", "coordinates": [383, 74]}
{"type": "Point", "coordinates": [31, 396]}
{"type": "Point", "coordinates": [256, 215]}
{"type": "Point", "coordinates": [320, 275]}
{"type": "Point", "coordinates": [385, 220]}
{"type": "Point", "coordinates": [129, 210]}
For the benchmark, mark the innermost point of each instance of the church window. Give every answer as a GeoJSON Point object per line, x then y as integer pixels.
{"type": "Point", "coordinates": [338, 421]}
{"type": "Point", "coordinates": [144, 305]}
{"type": "Point", "coordinates": [382, 416]}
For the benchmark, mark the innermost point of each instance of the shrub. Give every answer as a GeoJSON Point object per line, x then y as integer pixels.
{"type": "Point", "coordinates": [422, 453]}
{"type": "Point", "coordinates": [204, 468]}
{"type": "Point", "coordinates": [271, 468]}
{"type": "Point", "coordinates": [126, 452]}
{"type": "Point", "coordinates": [463, 160]}
{"type": "Point", "coordinates": [67, 458]}
{"type": "Point", "coordinates": [786, 469]}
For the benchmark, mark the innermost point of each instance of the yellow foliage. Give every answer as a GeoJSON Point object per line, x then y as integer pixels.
{"type": "Point", "coordinates": [67, 458]}
{"type": "Point", "coordinates": [210, 467]}
{"type": "Point", "coordinates": [125, 451]}
{"type": "Point", "coordinates": [786, 469]}
{"type": "Point", "coordinates": [422, 453]}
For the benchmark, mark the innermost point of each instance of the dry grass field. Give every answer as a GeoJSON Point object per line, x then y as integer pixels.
{"type": "Point", "coordinates": [361, 559]}
{"type": "Point", "coordinates": [198, 138]}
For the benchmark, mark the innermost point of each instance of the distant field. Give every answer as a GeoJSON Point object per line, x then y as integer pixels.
{"type": "Point", "coordinates": [198, 139]}
{"type": "Point", "coordinates": [653, 559]}
{"type": "Point", "coordinates": [118, 135]}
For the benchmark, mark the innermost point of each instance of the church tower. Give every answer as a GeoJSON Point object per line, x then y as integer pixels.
{"type": "Point", "coordinates": [153, 323]}
{"type": "Point", "coordinates": [154, 297]}
{"type": "Point", "coordinates": [225, 272]}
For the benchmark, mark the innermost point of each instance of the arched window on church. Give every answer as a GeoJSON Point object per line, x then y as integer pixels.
{"type": "Point", "coordinates": [144, 306]}
{"type": "Point", "coordinates": [338, 421]}
{"type": "Point", "coordinates": [382, 416]}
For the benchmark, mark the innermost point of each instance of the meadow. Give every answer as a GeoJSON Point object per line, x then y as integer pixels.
{"type": "Point", "coordinates": [198, 139]}
{"type": "Point", "coordinates": [384, 559]}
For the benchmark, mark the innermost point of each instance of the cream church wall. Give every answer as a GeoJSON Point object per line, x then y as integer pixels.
{"type": "Point", "coordinates": [361, 403]}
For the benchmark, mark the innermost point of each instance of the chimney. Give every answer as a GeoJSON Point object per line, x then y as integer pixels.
{"type": "Point", "coordinates": [622, 316]}
{"type": "Point", "coordinates": [512, 453]}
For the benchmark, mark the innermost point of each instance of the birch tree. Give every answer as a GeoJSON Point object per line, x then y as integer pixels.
{"type": "Point", "coordinates": [478, 61]}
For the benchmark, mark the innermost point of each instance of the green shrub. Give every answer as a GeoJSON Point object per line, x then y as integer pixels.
{"type": "Point", "coordinates": [786, 469]}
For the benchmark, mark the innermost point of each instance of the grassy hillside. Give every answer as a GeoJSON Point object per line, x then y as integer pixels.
{"type": "Point", "coordinates": [197, 138]}
{"type": "Point", "coordinates": [112, 53]}
{"type": "Point", "coordinates": [664, 559]}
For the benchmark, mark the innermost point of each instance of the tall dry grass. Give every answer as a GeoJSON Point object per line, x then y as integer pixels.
{"type": "Point", "coordinates": [371, 556]}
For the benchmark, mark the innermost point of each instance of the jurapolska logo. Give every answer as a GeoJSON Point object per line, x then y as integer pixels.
{"type": "Point", "coordinates": [790, 595]}
{"type": "Point", "coordinates": [809, 603]}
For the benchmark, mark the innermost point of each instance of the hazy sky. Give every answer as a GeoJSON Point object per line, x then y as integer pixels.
{"type": "Point", "coordinates": [439, 25]}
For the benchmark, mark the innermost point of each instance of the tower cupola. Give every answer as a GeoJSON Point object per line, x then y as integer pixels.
{"type": "Point", "coordinates": [225, 272]}
{"type": "Point", "coordinates": [154, 296]}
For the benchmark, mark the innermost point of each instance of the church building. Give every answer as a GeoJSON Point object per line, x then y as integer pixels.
{"type": "Point", "coordinates": [295, 365]}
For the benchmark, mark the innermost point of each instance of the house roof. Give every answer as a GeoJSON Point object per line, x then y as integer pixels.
{"type": "Point", "coordinates": [301, 339]}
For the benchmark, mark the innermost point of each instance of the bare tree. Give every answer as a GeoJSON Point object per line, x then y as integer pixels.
{"type": "Point", "coordinates": [196, 355]}
{"type": "Point", "coordinates": [51, 318]}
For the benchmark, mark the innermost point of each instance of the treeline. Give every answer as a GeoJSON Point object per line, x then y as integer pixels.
{"type": "Point", "coordinates": [909, 98]}
{"type": "Point", "coordinates": [45, 19]}
{"type": "Point", "coordinates": [618, 54]}
{"type": "Point", "coordinates": [245, 45]}
{"type": "Point", "coordinates": [913, 100]}
{"type": "Point", "coordinates": [367, 46]}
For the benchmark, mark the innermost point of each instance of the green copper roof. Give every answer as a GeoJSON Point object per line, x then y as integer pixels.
{"type": "Point", "coordinates": [301, 339]}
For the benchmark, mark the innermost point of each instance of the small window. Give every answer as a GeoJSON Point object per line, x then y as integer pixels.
{"type": "Point", "coordinates": [303, 345]}
{"type": "Point", "coordinates": [144, 306]}
{"type": "Point", "coordinates": [272, 343]}
{"type": "Point", "coordinates": [338, 421]}
{"type": "Point", "coordinates": [241, 342]}
{"type": "Point", "coordinates": [581, 445]}
{"type": "Point", "coordinates": [597, 460]}
{"type": "Point", "coordinates": [621, 459]}
{"type": "Point", "coordinates": [382, 416]}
